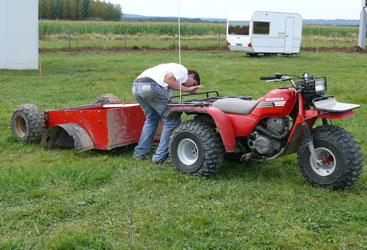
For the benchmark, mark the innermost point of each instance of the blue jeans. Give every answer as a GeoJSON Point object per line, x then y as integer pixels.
{"type": "Point", "coordinates": [153, 100]}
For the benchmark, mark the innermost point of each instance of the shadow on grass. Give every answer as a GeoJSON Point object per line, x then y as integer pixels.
{"type": "Point", "coordinates": [275, 171]}
{"type": "Point", "coordinates": [124, 151]}
{"type": "Point", "coordinates": [283, 170]}
{"type": "Point", "coordinates": [269, 170]}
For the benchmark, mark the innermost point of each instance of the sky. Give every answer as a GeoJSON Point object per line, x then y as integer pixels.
{"type": "Point", "coordinates": [309, 9]}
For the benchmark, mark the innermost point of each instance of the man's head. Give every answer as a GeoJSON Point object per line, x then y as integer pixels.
{"type": "Point", "coordinates": [193, 78]}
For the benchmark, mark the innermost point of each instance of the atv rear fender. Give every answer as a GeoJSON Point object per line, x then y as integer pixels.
{"type": "Point", "coordinates": [220, 119]}
{"type": "Point", "coordinates": [67, 136]}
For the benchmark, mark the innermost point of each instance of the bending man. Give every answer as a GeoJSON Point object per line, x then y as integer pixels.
{"type": "Point", "coordinates": [152, 89]}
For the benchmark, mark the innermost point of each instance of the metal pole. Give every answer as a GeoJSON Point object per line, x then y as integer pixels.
{"type": "Point", "coordinates": [69, 39]}
{"type": "Point", "coordinates": [362, 29]}
{"type": "Point", "coordinates": [173, 41]}
{"type": "Point", "coordinates": [40, 61]}
{"type": "Point", "coordinates": [218, 39]}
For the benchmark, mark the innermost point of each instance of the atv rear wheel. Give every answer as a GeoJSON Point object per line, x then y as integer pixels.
{"type": "Point", "coordinates": [195, 148]}
{"type": "Point", "coordinates": [342, 158]}
{"type": "Point", "coordinates": [107, 98]}
{"type": "Point", "coordinates": [28, 123]}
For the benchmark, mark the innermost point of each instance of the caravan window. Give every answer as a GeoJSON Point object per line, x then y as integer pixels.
{"type": "Point", "coordinates": [261, 28]}
{"type": "Point", "coordinates": [238, 28]}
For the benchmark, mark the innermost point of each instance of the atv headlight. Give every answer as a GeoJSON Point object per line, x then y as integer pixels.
{"type": "Point", "coordinates": [320, 85]}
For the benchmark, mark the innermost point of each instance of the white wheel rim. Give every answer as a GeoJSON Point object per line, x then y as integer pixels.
{"type": "Point", "coordinates": [20, 126]}
{"type": "Point", "coordinates": [187, 151]}
{"type": "Point", "coordinates": [328, 162]}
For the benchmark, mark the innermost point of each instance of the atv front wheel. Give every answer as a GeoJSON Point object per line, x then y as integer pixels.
{"type": "Point", "coordinates": [28, 123]}
{"type": "Point", "coordinates": [195, 148]}
{"type": "Point", "coordinates": [342, 158]}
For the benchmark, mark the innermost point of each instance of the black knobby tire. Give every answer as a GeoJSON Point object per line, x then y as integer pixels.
{"type": "Point", "coordinates": [342, 163]}
{"type": "Point", "coordinates": [201, 138]}
{"type": "Point", "coordinates": [108, 98]}
{"type": "Point", "coordinates": [28, 123]}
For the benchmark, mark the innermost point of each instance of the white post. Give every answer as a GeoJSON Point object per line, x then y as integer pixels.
{"type": "Point", "coordinates": [362, 29]}
{"type": "Point", "coordinates": [179, 33]}
{"type": "Point", "coordinates": [179, 42]}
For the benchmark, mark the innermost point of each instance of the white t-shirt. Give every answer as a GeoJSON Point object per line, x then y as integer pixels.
{"type": "Point", "coordinates": [159, 72]}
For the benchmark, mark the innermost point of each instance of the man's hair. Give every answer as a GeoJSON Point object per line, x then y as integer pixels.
{"type": "Point", "coordinates": [196, 75]}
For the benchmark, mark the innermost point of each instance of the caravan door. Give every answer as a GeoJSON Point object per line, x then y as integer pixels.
{"type": "Point", "coordinates": [289, 30]}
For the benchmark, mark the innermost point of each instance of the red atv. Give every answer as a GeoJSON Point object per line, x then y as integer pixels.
{"type": "Point", "coordinates": [280, 123]}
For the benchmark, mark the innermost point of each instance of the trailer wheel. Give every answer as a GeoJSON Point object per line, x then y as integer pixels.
{"type": "Point", "coordinates": [342, 158]}
{"type": "Point", "coordinates": [28, 123]}
{"type": "Point", "coordinates": [196, 148]}
{"type": "Point", "coordinates": [107, 98]}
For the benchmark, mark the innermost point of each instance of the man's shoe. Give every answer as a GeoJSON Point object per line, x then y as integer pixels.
{"type": "Point", "coordinates": [140, 157]}
{"type": "Point", "coordinates": [164, 159]}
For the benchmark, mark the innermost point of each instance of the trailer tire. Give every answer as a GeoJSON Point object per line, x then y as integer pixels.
{"type": "Point", "coordinates": [342, 161]}
{"type": "Point", "coordinates": [196, 148]}
{"type": "Point", "coordinates": [28, 123]}
{"type": "Point", "coordinates": [107, 98]}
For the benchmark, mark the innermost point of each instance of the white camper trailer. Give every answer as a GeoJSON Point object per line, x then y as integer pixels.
{"type": "Point", "coordinates": [264, 32]}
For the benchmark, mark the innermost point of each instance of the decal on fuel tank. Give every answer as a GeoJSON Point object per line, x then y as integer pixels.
{"type": "Point", "coordinates": [272, 102]}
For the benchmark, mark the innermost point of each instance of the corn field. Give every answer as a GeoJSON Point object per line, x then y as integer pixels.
{"type": "Point", "coordinates": [330, 31]}
{"type": "Point", "coordinates": [116, 28]}
{"type": "Point", "coordinates": [131, 28]}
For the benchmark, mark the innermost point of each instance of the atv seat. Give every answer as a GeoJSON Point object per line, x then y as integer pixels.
{"type": "Point", "coordinates": [236, 105]}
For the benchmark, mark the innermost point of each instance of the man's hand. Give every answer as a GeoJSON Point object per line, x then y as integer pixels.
{"type": "Point", "coordinates": [193, 89]}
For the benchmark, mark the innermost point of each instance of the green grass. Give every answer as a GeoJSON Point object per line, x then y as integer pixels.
{"type": "Point", "coordinates": [58, 199]}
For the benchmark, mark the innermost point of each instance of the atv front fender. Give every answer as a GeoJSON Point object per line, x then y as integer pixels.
{"type": "Point", "coordinates": [220, 119]}
{"type": "Point", "coordinates": [67, 136]}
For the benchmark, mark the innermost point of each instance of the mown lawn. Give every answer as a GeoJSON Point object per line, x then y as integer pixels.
{"type": "Point", "coordinates": [58, 199]}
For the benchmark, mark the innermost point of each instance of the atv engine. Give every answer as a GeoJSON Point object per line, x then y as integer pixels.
{"type": "Point", "coordinates": [267, 137]}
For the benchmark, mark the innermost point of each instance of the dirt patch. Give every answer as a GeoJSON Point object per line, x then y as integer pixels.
{"type": "Point", "coordinates": [354, 49]}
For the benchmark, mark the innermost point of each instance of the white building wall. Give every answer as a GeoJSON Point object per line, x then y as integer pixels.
{"type": "Point", "coordinates": [18, 34]}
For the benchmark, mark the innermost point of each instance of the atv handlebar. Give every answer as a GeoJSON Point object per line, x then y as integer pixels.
{"type": "Point", "coordinates": [267, 78]}
{"type": "Point", "coordinates": [276, 76]}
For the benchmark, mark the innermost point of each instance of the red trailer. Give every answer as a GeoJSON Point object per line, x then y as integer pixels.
{"type": "Point", "coordinates": [97, 126]}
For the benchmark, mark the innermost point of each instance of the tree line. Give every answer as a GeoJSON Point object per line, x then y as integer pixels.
{"type": "Point", "coordinates": [78, 10]}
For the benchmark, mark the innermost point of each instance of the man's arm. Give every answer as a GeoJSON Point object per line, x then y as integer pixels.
{"type": "Point", "coordinates": [173, 84]}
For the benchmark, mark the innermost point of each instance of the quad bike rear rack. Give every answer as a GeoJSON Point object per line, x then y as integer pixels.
{"type": "Point", "coordinates": [200, 102]}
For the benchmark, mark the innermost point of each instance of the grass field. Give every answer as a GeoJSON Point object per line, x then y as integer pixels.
{"type": "Point", "coordinates": [58, 199]}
